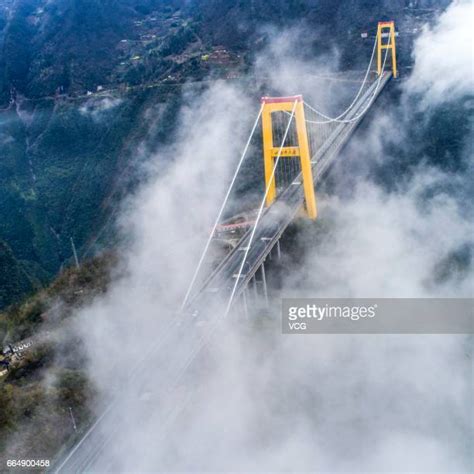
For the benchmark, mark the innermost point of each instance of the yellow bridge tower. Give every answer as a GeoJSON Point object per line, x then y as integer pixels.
{"type": "Point", "coordinates": [271, 151]}
{"type": "Point", "coordinates": [386, 29]}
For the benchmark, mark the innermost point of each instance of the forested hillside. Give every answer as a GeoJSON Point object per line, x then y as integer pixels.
{"type": "Point", "coordinates": [90, 88]}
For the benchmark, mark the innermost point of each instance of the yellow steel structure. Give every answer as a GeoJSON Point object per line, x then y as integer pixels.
{"type": "Point", "coordinates": [382, 28]}
{"type": "Point", "coordinates": [270, 151]}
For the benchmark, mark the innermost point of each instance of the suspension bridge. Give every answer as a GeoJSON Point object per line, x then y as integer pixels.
{"type": "Point", "coordinates": [300, 142]}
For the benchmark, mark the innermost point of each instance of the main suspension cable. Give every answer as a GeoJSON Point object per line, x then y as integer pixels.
{"type": "Point", "coordinates": [357, 116]}
{"type": "Point", "coordinates": [221, 210]}
{"type": "Point", "coordinates": [359, 92]}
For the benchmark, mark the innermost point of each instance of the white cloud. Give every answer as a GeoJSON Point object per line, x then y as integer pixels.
{"type": "Point", "coordinates": [165, 225]}
{"type": "Point", "coordinates": [387, 244]}
{"type": "Point", "coordinates": [444, 55]}
{"type": "Point", "coordinates": [97, 107]}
